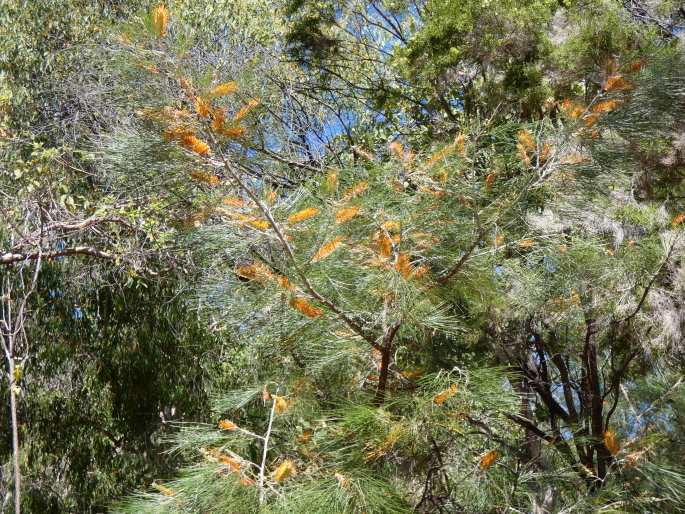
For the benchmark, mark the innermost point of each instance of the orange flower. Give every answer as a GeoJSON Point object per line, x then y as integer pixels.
{"type": "Point", "coordinates": [233, 132]}
{"type": "Point", "coordinates": [305, 307]}
{"type": "Point", "coordinates": [526, 243]}
{"type": "Point", "coordinates": [590, 119]}
{"type": "Point", "coordinates": [218, 119]}
{"type": "Point", "coordinates": [328, 249]}
{"type": "Point", "coordinates": [259, 224]}
{"type": "Point", "coordinates": [523, 154]}
{"type": "Point", "coordinates": [346, 214]}
{"type": "Point", "coordinates": [255, 271]}
{"type": "Point", "coordinates": [606, 106]}
{"type": "Point", "coordinates": [245, 110]}
{"type": "Point", "coordinates": [224, 89]}
{"type": "Point", "coordinates": [233, 201]}
{"type": "Point", "coordinates": [303, 215]}
{"type": "Point", "coordinates": [355, 190]}
{"type": "Point", "coordinates": [460, 144]}
{"type": "Point", "coordinates": [403, 266]}
{"type": "Point", "coordinates": [282, 405]}
{"type": "Point", "coordinates": [207, 178]}
{"type": "Point", "coordinates": [489, 180]}
{"type": "Point", "coordinates": [196, 145]}
{"type": "Point", "coordinates": [160, 20]}
{"type": "Point", "coordinates": [448, 393]}
{"type": "Point", "coordinates": [499, 240]}
{"type": "Point", "coordinates": [617, 83]}
{"type": "Point", "coordinates": [331, 181]}
{"type": "Point", "coordinates": [611, 442]}
{"type": "Point", "coordinates": [420, 271]}
{"type": "Point", "coordinates": [285, 470]}
{"type": "Point", "coordinates": [226, 424]}
{"type": "Point", "coordinates": [488, 459]}
{"type": "Point", "coordinates": [525, 138]}
{"type": "Point", "coordinates": [166, 491]}
{"type": "Point", "coordinates": [396, 149]}
{"type": "Point", "coordinates": [202, 107]}
{"type": "Point", "coordinates": [384, 244]}
{"type": "Point", "coordinates": [305, 437]}
{"type": "Point", "coordinates": [677, 219]}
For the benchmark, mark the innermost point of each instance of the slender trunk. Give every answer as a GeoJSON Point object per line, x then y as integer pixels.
{"type": "Point", "coordinates": [15, 440]}
{"type": "Point", "coordinates": [383, 375]}
{"type": "Point", "coordinates": [386, 354]}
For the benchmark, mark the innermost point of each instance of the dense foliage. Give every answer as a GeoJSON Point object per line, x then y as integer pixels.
{"type": "Point", "coordinates": [346, 256]}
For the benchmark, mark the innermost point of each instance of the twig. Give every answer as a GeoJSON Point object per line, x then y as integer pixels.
{"type": "Point", "coordinates": [266, 450]}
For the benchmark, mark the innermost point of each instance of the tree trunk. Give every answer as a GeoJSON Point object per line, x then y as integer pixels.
{"type": "Point", "coordinates": [15, 440]}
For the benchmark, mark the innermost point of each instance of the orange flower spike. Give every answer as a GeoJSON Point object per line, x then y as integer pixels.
{"type": "Point", "coordinates": [233, 132]}
{"type": "Point", "coordinates": [233, 201]}
{"type": "Point", "coordinates": [285, 470]}
{"type": "Point", "coordinates": [282, 405]}
{"type": "Point", "coordinates": [443, 396]}
{"type": "Point", "coordinates": [346, 214]}
{"type": "Point", "coordinates": [355, 190]}
{"type": "Point", "coordinates": [403, 266]}
{"type": "Point", "coordinates": [460, 144]}
{"type": "Point", "coordinates": [488, 459]}
{"type": "Point", "coordinates": [226, 424]}
{"type": "Point", "coordinates": [224, 89]}
{"type": "Point", "coordinates": [327, 249]}
{"type": "Point", "coordinates": [526, 140]}
{"type": "Point", "coordinates": [246, 109]}
{"type": "Point", "coordinates": [160, 20]}
{"type": "Point", "coordinates": [606, 106]}
{"type": "Point", "coordinates": [196, 145]}
{"type": "Point", "coordinates": [305, 307]}
{"type": "Point", "coordinates": [384, 244]}
{"type": "Point", "coordinates": [202, 107]}
{"type": "Point", "coordinates": [489, 181]}
{"type": "Point", "coordinates": [617, 83]}
{"type": "Point", "coordinates": [201, 176]}
{"type": "Point", "coordinates": [218, 119]}
{"type": "Point", "coordinates": [303, 215]}
{"type": "Point", "coordinates": [611, 442]}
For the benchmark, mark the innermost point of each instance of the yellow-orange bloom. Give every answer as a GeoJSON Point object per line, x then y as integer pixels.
{"type": "Point", "coordinates": [285, 470]}
{"type": "Point", "coordinates": [346, 214]}
{"type": "Point", "coordinates": [196, 145]}
{"type": "Point", "coordinates": [384, 244]}
{"type": "Point", "coordinates": [443, 396]}
{"type": "Point", "coordinates": [224, 89]}
{"type": "Point", "coordinates": [202, 107]}
{"type": "Point", "coordinates": [233, 132]}
{"type": "Point", "coordinates": [305, 307]}
{"type": "Point", "coordinates": [355, 190]}
{"type": "Point", "coordinates": [303, 215]}
{"type": "Point", "coordinates": [488, 459]}
{"type": "Point", "coordinates": [282, 405]}
{"type": "Point", "coordinates": [245, 110]}
{"type": "Point", "coordinates": [328, 249]}
{"type": "Point", "coordinates": [226, 424]}
{"type": "Point", "coordinates": [606, 106]}
{"type": "Point", "coordinates": [403, 265]}
{"type": "Point", "coordinates": [617, 83]}
{"type": "Point", "coordinates": [160, 20]}
{"type": "Point", "coordinates": [525, 138]}
{"type": "Point", "coordinates": [611, 442]}
{"type": "Point", "coordinates": [207, 178]}
{"type": "Point", "coordinates": [677, 219]}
